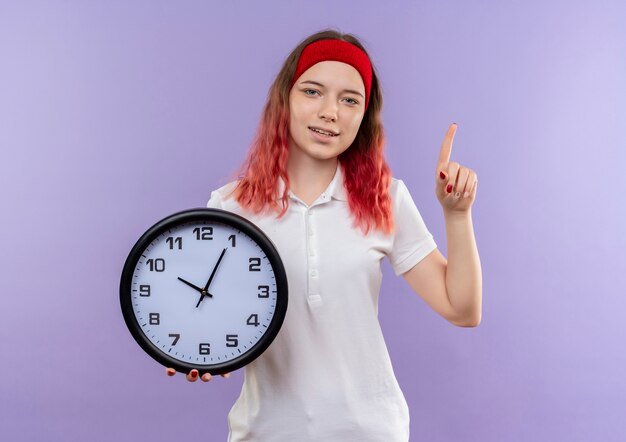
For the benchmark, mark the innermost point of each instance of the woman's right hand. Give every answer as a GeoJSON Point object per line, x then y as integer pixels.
{"type": "Point", "coordinates": [192, 376]}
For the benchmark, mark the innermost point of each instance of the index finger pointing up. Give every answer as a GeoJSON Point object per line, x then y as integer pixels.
{"type": "Point", "coordinates": [446, 146]}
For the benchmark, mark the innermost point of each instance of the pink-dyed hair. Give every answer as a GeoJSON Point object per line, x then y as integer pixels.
{"type": "Point", "coordinates": [367, 175]}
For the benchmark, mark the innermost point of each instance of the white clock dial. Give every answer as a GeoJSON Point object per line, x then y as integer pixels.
{"type": "Point", "coordinates": [188, 325]}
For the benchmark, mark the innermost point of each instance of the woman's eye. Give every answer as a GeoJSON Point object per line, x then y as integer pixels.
{"type": "Point", "coordinates": [312, 92]}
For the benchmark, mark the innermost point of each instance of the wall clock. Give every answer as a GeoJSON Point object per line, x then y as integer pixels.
{"type": "Point", "coordinates": [204, 289]}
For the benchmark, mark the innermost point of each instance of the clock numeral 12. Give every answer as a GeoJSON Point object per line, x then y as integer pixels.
{"type": "Point", "coordinates": [205, 234]}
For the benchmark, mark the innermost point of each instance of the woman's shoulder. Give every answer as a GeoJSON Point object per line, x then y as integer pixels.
{"type": "Point", "coordinates": [396, 187]}
{"type": "Point", "coordinates": [226, 189]}
{"type": "Point", "coordinates": [400, 194]}
{"type": "Point", "coordinates": [221, 194]}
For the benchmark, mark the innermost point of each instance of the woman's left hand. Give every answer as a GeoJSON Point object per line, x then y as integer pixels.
{"type": "Point", "coordinates": [456, 185]}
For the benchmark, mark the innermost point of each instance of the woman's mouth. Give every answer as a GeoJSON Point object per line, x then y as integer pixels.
{"type": "Point", "coordinates": [323, 132]}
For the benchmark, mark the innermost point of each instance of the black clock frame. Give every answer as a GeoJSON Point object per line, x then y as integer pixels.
{"type": "Point", "coordinates": [213, 216]}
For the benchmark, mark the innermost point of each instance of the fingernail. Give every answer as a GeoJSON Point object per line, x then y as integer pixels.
{"type": "Point", "coordinates": [442, 175]}
{"type": "Point", "coordinates": [449, 188]}
{"type": "Point", "coordinates": [194, 374]}
{"type": "Point", "coordinates": [170, 372]}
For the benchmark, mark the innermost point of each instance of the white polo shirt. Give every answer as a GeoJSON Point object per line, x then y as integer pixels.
{"type": "Point", "coordinates": [327, 375]}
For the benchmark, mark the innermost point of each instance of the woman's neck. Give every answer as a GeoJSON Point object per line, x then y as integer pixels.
{"type": "Point", "coordinates": [309, 177]}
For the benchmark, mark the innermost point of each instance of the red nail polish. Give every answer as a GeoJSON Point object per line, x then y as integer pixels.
{"type": "Point", "coordinates": [449, 188]}
{"type": "Point", "coordinates": [442, 175]}
{"type": "Point", "coordinates": [194, 374]}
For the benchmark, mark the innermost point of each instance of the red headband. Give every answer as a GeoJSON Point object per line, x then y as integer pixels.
{"type": "Point", "coordinates": [336, 50]}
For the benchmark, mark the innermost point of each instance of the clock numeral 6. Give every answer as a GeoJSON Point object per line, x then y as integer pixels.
{"type": "Point", "coordinates": [156, 265]}
{"type": "Point", "coordinates": [253, 320]}
{"type": "Point", "coordinates": [155, 319]}
{"type": "Point", "coordinates": [265, 291]}
{"type": "Point", "coordinates": [144, 290]}
{"type": "Point", "coordinates": [255, 265]}
{"type": "Point", "coordinates": [176, 337]}
{"type": "Point", "coordinates": [205, 234]}
{"type": "Point", "coordinates": [204, 349]}
{"type": "Point", "coordinates": [178, 240]}
{"type": "Point", "coordinates": [231, 341]}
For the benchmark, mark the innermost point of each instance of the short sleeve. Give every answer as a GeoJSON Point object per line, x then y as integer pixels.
{"type": "Point", "coordinates": [215, 201]}
{"type": "Point", "coordinates": [412, 240]}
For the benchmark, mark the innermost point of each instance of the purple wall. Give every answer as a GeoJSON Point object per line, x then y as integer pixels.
{"type": "Point", "coordinates": [113, 116]}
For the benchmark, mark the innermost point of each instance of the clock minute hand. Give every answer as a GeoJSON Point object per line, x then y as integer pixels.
{"type": "Point", "coordinates": [208, 283]}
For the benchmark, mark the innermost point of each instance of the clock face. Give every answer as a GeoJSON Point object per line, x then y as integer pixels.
{"type": "Point", "coordinates": [204, 289]}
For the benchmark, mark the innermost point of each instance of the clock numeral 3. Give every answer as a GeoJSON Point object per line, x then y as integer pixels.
{"type": "Point", "coordinates": [204, 349]}
{"type": "Point", "coordinates": [155, 319]}
{"type": "Point", "coordinates": [156, 265]}
{"type": "Point", "coordinates": [253, 320]}
{"type": "Point", "coordinates": [178, 240]}
{"type": "Point", "coordinates": [255, 265]}
{"type": "Point", "coordinates": [231, 341]}
{"type": "Point", "coordinates": [144, 290]}
{"type": "Point", "coordinates": [205, 234]}
{"type": "Point", "coordinates": [265, 291]}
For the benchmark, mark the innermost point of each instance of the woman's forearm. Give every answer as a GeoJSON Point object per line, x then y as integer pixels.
{"type": "Point", "coordinates": [463, 274]}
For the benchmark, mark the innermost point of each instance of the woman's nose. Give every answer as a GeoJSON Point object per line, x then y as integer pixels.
{"type": "Point", "coordinates": [328, 110]}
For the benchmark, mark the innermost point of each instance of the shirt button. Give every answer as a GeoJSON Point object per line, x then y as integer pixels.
{"type": "Point", "coordinates": [314, 273]}
{"type": "Point", "coordinates": [311, 252]}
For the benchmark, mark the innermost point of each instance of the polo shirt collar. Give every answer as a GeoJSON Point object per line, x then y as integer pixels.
{"type": "Point", "coordinates": [335, 189]}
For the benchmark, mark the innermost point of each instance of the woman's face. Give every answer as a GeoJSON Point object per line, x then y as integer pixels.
{"type": "Point", "coordinates": [329, 96]}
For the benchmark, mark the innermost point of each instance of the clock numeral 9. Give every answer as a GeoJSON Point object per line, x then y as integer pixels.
{"type": "Point", "coordinates": [205, 234]}
{"type": "Point", "coordinates": [265, 291]}
{"type": "Point", "coordinates": [204, 349]}
{"type": "Point", "coordinates": [155, 319]}
{"type": "Point", "coordinates": [176, 337]}
{"type": "Point", "coordinates": [157, 265]}
{"type": "Point", "coordinates": [178, 240]}
{"type": "Point", "coordinates": [144, 290]}
{"type": "Point", "coordinates": [255, 265]}
{"type": "Point", "coordinates": [231, 341]}
{"type": "Point", "coordinates": [253, 320]}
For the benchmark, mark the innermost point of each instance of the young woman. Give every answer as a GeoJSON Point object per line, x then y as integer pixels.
{"type": "Point", "coordinates": [316, 182]}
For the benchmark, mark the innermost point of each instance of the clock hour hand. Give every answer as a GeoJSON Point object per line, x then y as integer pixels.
{"type": "Point", "coordinates": [205, 292]}
{"type": "Point", "coordinates": [194, 286]}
